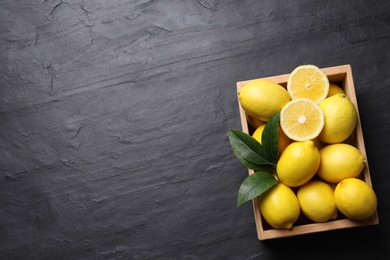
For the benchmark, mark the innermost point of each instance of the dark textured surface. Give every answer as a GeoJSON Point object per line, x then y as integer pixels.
{"type": "Point", "coordinates": [114, 115]}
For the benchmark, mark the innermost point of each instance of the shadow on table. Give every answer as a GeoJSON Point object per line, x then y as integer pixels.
{"type": "Point", "coordinates": [355, 243]}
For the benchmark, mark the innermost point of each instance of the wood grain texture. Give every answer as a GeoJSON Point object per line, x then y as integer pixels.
{"type": "Point", "coordinates": [114, 119]}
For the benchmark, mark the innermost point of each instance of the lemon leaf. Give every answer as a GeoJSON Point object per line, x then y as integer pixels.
{"type": "Point", "coordinates": [269, 138]}
{"type": "Point", "coordinates": [247, 149]}
{"type": "Point", "coordinates": [255, 185]}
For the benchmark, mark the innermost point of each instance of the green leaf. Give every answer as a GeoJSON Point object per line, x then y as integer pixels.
{"type": "Point", "coordinates": [269, 138]}
{"type": "Point", "coordinates": [247, 149]}
{"type": "Point", "coordinates": [254, 185]}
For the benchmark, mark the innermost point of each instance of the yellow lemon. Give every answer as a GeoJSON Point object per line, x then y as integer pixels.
{"type": "Point", "coordinates": [317, 201]}
{"type": "Point", "coordinates": [298, 163]}
{"type": "Point", "coordinates": [355, 198]}
{"type": "Point", "coordinates": [261, 99]}
{"type": "Point", "coordinates": [301, 119]}
{"type": "Point", "coordinates": [334, 89]}
{"type": "Point", "coordinates": [280, 206]}
{"type": "Point", "coordinates": [308, 81]}
{"type": "Point", "coordinates": [283, 140]}
{"type": "Point", "coordinates": [340, 161]}
{"type": "Point", "coordinates": [254, 122]}
{"type": "Point", "coordinates": [340, 118]}
{"type": "Point", "coordinates": [258, 133]}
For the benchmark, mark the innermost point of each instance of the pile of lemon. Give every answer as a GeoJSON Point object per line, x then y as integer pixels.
{"type": "Point", "coordinates": [318, 170]}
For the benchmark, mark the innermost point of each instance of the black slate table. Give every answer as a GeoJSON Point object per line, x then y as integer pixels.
{"type": "Point", "coordinates": [114, 119]}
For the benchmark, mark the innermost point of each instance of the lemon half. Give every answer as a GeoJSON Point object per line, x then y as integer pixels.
{"type": "Point", "coordinates": [301, 119]}
{"type": "Point", "coordinates": [308, 81]}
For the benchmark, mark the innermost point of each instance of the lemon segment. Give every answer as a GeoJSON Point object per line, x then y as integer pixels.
{"type": "Point", "coordinates": [308, 81]}
{"type": "Point", "coordinates": [301, 119]}
{"type": "Point", "coordinates": [355, 198]}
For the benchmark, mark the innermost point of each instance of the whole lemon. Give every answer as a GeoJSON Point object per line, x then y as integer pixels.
{"type": "Point", "coordinates": [258, 133]}
{"type": "Point", "coordinates": [280, 206]}
{"type": "Point", "coordinates": [283, 140]}
{"type": "Point", "coordinates": [298, 163]}
{"type": "Point", "coordinates": [262, 98]}
{"type": "Point", "coordinates": [334, 89]}
{"type": "Point", "coordinates": [355, 198]}
{"type": "Point", "coordinates": [340, 118]}
{"type": "Point", "coordinates": [317, 201]}
{"type": "Point", "coordinates": [340, 161]}
{"type": "Point", "coordinates": [254, 122]}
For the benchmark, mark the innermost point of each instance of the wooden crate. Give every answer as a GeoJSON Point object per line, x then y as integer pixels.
{"type": "Point", "coordinates": [342, 76]}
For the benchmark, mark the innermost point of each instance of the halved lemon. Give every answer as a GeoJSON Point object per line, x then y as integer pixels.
{"type": "Point", "coordinates": [308, 81]}
{"type": "Point", "coordinates": [301, 119]}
